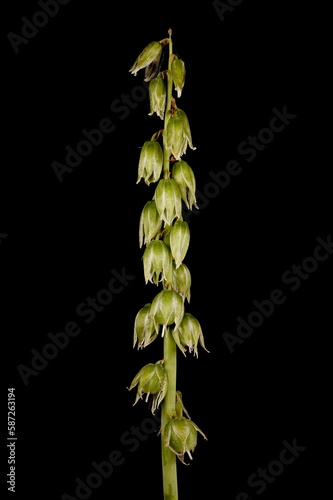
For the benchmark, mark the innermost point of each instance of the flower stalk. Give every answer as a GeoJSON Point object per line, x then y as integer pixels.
{"type": "Point", "coordinates": [169, 458]}
{"type": "Point", "coordinates": [166, 169]}
{"type": "Point", "coordinates": [166, 238]}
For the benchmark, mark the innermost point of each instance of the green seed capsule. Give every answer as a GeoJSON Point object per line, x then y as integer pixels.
{"type": "Point", "coordinates": [157, 262]}
{"type": "Point", "coordinates": [175, 138]}
{"type": "Point", "coordinates": [168, 200]}
{"type": "Point", "coordinates": [167, 308]}
{"type": "Point", "coordinates": [151, 380]}
{"type": "Point", "coordinates": [189, 334]}
{"type": "Point", "coordinates": [144, 329]}
{"type": "Point", "coordinates": [150, 55]}
{"type": "Point", "coordinates": [180, 436]}
{"type": "Point", "coordinates": [184, 176]}
{"type": "Point", "coordinates": [150, 223]}
{"type": "Point", "coordinates": [157, 97]}
{"type": "Point", "coordinates": [186, 127]}
{"type": "Point", "coordinates": [150, 162]}
{"type": "Point", "coordinates": [178, 134]}
{"type": "Point", "coordinates": [179, 241]}
{"type": "Point", "coordinates": [181, 281]}
{"type": "Point", "coordinates": [178, 74]}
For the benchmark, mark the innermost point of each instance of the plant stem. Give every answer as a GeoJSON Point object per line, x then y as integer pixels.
{"type": "Point", "coordinates": [169, 465]}
{"type": "Point", "coordinates": [166, 169]}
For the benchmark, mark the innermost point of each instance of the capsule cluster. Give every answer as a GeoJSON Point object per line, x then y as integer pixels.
{"type": "Point", "coordinates": [165, 237]}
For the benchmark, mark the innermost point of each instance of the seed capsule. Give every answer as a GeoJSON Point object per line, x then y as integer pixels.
{"type": "Point", "coordinates": [150, 162]}
{"type": "Point", "coordinates": [175, 138]}
{"type": "Point", "coordinates": [167, 308]}
{"type": "Point", "coordinates": [157, 97]}
{"type": "Point", "coordinates": [178, 74]}
{"type": "Point", "coordinates": [178, 134]}
{"type": "Point", "coordinates": [189, 334]}
{"type": "Point", "coordinates": [186, 126]}
{"type": "Point", "coordinates": [180, 435]}
{"type": "Point", "coordinates": [184, 176]}
{"type": "Point", "coordinates": [144, 329]}
{"type": "Point", "coordinates": [149, 56]}
{"type": "Point", "coordinates": [168, 200]}
{"type": "Point", "coordinates": [150, 223]}
{"type": "Point", "coordinates": [157, 262]}
{"type": "Point", "coordinates": [179, 241]}
{"type": "Point", "coordinates": [181, 281]}
{"type": "Point", "coordinates": [151, 380]}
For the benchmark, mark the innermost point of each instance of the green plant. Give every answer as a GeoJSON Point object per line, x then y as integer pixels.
{"type": "Point", "coordinates": [166, 237]}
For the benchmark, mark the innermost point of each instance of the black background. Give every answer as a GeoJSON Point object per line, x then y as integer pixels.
{"type": "Point", "coordinates": [64, 239]}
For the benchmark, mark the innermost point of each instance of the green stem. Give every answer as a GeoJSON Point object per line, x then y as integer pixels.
{"type": "Point", "coordinates": [169, 466]}
{"type": "Point", "coordinates": [166, 169]}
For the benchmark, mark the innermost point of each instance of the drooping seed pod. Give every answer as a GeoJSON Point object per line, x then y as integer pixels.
{"type": "Point", "coordinates": [181, 281]}
{"type": "Point", "coordinates": [150, 55]}
{"type": "Point", "coordinates": [184, 176]}
{"type": "Point", "coordinates": [189, 334]}
{"type": "Point", "coordinates": [181, 437]}
{"type": "Point", "coordinates": [144, 329]}
{"type": "Point", "coordinates": [186, 126]}
{"type": "Point", "coordinates": [150, 223]}
{"type": "Point", "coordinates": [179, 241]}
{"type": "Point", "coordinates": [178, 134]}
{"type": "Point", "coordinates": [168, 200]}
{"type": "Point", "coordinates": [167, 308]}
{"type": "Point", "coordinates": [151, 380]}
{"type": "Point", "coordinates": [175, 139]}
{"type": "Point", "coordinates": [157, 262]}
{"type": "Point", "coordinates": [178, 74]}
{"type": "Point", "coordinates": [150, 162]}
{"type": "Point", "coordinates": [157, 96]}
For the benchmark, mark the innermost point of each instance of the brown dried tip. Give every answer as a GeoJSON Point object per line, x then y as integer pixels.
{"type": "Point", "coordinates": [164, 42]}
